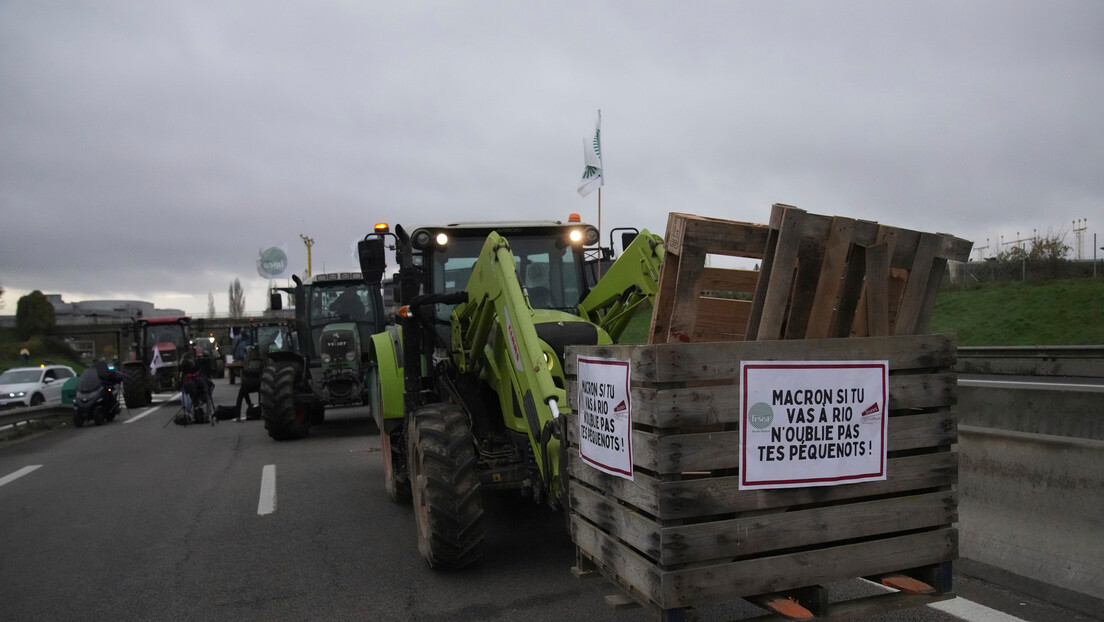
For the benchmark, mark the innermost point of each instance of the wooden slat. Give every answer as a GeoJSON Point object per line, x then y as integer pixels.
{"type": "Point", "coordinates": [752, 536]}
{"type": "Point", "coordinates": [629, 567]}
{"type": "Point", "coordinates": [713, 496]}
{"type": "Point", "coordinates": [664, 302]}
{"type": "Point", "coordinates": [776, 297]}
{"type": "Point", "coordinates": [831, 279]}
{"type": "Point", "coordinates": [720, 319]}
{"type": "Point", "coordinates": [782, 572]}
{"type": "Point", "coordinates": [729, 280]}
{"type": "Point", "coordinates": [720, 495]}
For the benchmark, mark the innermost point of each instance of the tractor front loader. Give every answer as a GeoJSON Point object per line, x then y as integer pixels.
{"type": "Point", "coordinates": [468, 389]}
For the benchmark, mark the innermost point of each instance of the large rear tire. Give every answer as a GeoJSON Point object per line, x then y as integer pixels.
{"type": "Point", "coordinates": [448, 504]}
{"type": "Point", "coordinates": [136, 388]}
{"type": "Point", "coordinates": [284, 419]}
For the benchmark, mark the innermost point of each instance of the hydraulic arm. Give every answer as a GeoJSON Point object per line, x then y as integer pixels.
{"type": "Point", "coordinates": [630, 282]}
{"type": "Point", "coordinates": [497, 310]}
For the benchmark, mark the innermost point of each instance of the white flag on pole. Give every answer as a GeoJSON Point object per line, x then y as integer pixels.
{"type": "Point", "coordinates": [156, 362]}
{"type": "Point", "coordinates": [592, 159]}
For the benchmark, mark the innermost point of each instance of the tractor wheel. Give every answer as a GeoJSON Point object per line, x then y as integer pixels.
{"type": "Point", "coordinates": [284, 419]}
{"type": "Point", "coordinates": [448, 506]}
{"type": "Point", "coordinates": [396, 476]}
{"type": "Point", "coordinates": [136, 389]}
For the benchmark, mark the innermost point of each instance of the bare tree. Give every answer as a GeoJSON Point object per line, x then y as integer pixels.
{"type": "Point", "coordinates": [210, 305]}
{"type": "Point", "coordinates": [237, 299]}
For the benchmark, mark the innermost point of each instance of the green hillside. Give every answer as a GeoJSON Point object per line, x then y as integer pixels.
{"type": "Point", "coordinates": [1052, 313]}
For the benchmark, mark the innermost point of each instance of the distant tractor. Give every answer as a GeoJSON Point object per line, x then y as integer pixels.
{"type": "Point", "coordinates": [266, 335]}
{"type": "Point", "coordinates": [335, 315]}
{"type": "Point", "coordinates": [159, 349]}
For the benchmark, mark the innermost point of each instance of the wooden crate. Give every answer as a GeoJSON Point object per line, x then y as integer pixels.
{"type": "Point", "coordinates": [820, 276]}
{"type": "Point", "coordinates": [682, 533]}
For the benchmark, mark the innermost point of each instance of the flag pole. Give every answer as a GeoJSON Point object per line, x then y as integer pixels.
{"type": "Point", "coordinates": [600, 228]}
{"type": "Point", "coordinates": [603, 173]}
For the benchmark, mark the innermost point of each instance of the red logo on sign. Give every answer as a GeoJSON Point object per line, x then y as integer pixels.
{"type": "Point", "coordinates": [620, 407]}
{"type": "Point", "coordinates": [872, 410]}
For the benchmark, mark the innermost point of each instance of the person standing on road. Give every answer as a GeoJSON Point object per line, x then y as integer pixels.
{"type": "Point", "coordinates": [252, 367]}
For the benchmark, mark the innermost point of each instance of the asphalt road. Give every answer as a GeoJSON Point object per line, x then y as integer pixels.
{"type": "Point", "coordinates": [141, 519]}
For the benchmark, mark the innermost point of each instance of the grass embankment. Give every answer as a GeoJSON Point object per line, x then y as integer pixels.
{"type": "Point", "coordinates": [1053, 313]}
{"type": "Point", "coordinates": [43, 351]}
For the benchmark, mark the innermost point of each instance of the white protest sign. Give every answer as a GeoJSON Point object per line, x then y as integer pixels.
{"type": "Point", "coordinates": [605, 415]}
{"type": "Point", "coordinates": [812, 423]}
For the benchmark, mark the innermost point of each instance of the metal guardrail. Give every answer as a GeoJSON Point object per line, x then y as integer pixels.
{"type": "Point", "coordinates": [19, 415]}
{"type": "Point", "coordinates": [1068, 361]}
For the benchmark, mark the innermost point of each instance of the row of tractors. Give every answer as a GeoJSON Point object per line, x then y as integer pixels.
{"type": "Point", "coordinates": [462, 365]}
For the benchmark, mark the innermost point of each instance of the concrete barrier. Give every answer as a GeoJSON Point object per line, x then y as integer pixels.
{"type": "Point", "coordinates": [1031, 514]}
{"type": "Point", "coordinates": [1031, 477]}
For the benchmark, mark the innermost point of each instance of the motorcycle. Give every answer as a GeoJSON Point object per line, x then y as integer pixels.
{"type": "Point", "coordinates": [97, 396]}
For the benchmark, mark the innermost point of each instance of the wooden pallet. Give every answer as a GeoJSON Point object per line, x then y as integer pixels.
{"type": "Point", "coordinates": [682, 533]}
{"type": "Point", "coordinates": [699, 303]}
{"type": "Point", "coordinates": [820, 276]}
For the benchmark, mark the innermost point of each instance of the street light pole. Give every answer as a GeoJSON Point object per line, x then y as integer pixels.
{"type": "Point", "coordinates": [309, 242]}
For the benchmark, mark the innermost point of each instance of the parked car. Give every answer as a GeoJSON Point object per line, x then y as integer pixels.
{"type": "Point", "coordinates": [32, 386]}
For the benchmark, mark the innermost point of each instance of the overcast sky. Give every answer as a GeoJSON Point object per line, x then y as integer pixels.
{"type": "Point", "coordinates": [149, 150]}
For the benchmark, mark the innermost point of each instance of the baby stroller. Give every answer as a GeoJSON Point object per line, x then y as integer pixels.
{"type": "Point", "coordinates": [197, 403]}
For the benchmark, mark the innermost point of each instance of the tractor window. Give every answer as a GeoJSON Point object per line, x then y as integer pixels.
{"type": "Point", "coordinates": [164, 333]}
{"type": "Point", "coordinates": [546, 266]}
{"type": "Point", "coordinates": [548, 272]}
{"type": "Point", "coordinates": [348, 303]}
{"type": "Point", "coordinates": [270, 338]}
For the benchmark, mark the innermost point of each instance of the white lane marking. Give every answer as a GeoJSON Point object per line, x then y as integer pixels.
{"type": "Point", "coordinates": [963, 609]}
{"type": "Point", "coordinates": [969, 610]}
{"type": "Point", "coordinates": [7, 479]}
{"type": "Point", "coordinates": [151, 409]}
{"type": "Point", "coordinates": [267, 504]}
{"type": "Point", "coordinates": [1089, 388]}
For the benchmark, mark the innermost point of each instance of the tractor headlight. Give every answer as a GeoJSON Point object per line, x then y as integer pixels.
{"type": "Point", "coordinates": [576, 236]}
{"type": "Point", "coordinates": [420, 239]}
{"type": "Point", "coordinates": [442, 239]}
{"type": "Point", "coordinates": [325, 358]}
{"type": "Point", "coordinates": [590, 236]}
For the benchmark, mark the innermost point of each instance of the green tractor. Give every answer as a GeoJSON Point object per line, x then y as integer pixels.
{"type": "Point", "coordinates": [468, 389]}
{"type": "Point", "coordinates": [335, 314]}
{"type": "Point", "coordinates": [160, 348]}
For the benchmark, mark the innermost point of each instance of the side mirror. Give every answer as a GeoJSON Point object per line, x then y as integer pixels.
{"type": "Point", "coordinates": [372, 262]}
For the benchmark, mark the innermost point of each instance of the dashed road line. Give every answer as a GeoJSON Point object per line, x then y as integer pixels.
{"type": "Point", "coordinates": [7, 479]}
{"type": "Point", "coordinates": [267, 503]}
{"type": "Point", "coordinates": [973, 612]}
